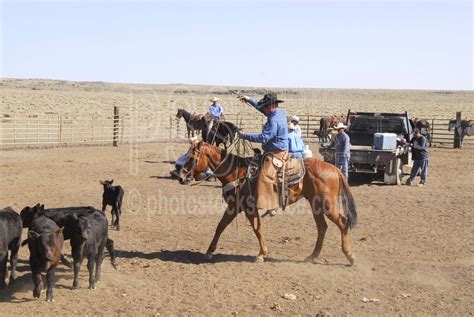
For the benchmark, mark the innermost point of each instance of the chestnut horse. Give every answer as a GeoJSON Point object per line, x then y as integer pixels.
{"type": "Point", "coordinates": [323, 185]}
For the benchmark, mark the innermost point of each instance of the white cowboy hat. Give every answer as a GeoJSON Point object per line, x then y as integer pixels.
{"type": "Point", "coordinates": [294, 118]}
{"type": "Point", "coordinates": [291, 126]}
{"type": "Point", "coordinates": [214, 99]}
{"type": "Point", "coordinates": [340, 125]}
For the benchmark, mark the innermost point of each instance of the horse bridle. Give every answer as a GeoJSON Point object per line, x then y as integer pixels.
{"type": "Point", "coordinates": [195, 162]}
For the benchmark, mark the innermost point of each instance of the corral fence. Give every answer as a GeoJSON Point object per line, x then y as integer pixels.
{"type": "Point", "coordinates": [20, 129]}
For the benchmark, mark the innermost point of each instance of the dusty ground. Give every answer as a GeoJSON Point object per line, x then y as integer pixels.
{"type": "Point", "coordinates": [413, 245]}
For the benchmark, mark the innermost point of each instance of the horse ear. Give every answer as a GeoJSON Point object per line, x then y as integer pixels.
{"type": "Point", "coordinates": [111, 182]}
{"type": "Point", "coordinates": [101, 182]}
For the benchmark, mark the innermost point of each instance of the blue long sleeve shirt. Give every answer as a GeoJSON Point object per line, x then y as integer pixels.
{"type": "Point", "coordinates": [295, 145]}
{"type": "Point", "coordinates": [343, 144]}
{"type": "Point", "coordinates": [216, 111]}
{"type": "Point", "coordinates": [274, 135]}
{"type": "Point", "coordinates": [419, 148]}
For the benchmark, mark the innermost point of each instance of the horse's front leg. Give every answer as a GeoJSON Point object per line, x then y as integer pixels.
{"type": "Point", "coordinates": [254, 219]}
{"type": "Point", "coordinates": [227, 218]}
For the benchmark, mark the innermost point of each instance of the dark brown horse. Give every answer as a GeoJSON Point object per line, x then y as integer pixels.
{"type": "Point", "coordinates": [194, 122]}
{"type": "Point", "coordinates": [323, 186]}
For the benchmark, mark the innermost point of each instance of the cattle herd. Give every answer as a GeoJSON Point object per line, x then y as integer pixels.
{"type": "Point", "coordinates": [85, 227]}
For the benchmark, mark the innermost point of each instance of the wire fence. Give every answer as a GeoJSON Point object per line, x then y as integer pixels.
{"type": "Point", "coordinates": [20, 129]}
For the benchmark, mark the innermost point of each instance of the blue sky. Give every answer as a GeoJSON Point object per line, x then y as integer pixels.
{"type": "Point", "coordinates": [357, 44]}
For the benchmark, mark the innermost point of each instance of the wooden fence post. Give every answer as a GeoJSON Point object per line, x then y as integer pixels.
{"type": "Point", "coordinates": [116, 126]}
{"type": "Point", "coordinates": [457, 137]}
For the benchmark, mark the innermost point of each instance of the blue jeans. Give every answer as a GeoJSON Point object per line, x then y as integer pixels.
{"type": "Point", "coordinates": [415, 170]}
{"type": "Point", "coordinates": [208, 171]}
{"type": "Point", "coordinates": [342, 162]}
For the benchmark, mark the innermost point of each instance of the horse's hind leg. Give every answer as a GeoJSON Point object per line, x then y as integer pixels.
{"type": "Point", "coordinates": [254, 219]}
{"type": "Point", "coordinates": [341, 223]}
{"type": "Point", "coordinates": [322, 227]}
{"type": "Point", "coordinates": [227, 218]}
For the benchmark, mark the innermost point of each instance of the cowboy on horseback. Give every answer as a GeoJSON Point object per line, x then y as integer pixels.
{"type": "Point", "coordinates": [274, 139]}
{"type": "Point", "coordinates": [216, 113]}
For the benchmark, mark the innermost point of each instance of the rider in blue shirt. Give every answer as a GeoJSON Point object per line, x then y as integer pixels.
{"type": "Point", "coordinates": [215, 109]}
{"type": "Point", "coordinates": [274, 136]}
{"type": "Point", "coordinates": [216, 112]}
{"type": "Point", "coordinates": [295, 143]}
{"type": "Point", "coordinates": [274, 139]}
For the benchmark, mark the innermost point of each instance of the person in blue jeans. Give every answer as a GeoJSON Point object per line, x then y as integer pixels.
{"type": "Point", "coordinates": [342, 143]}
{"type": "Point", "coordinates": [419, 150]}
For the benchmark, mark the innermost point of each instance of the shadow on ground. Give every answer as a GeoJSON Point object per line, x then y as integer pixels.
{"type": "Point", "coordinates": [193, 257]}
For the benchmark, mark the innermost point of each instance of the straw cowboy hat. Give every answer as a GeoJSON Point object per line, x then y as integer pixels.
{"type": "Point", "coordinates": [269, 99]}
{"type": "Point", "coordinates": [215, 99]}
{"type": "Point", "coordinates": [295, 119]}
{"type": "Point", "coordinates": [291, 126]}
{"type": "Point", "coordinates": [340, 125]}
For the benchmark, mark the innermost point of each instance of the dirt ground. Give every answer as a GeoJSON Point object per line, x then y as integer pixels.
{"type": "Point", "coordinates": [413, 245]}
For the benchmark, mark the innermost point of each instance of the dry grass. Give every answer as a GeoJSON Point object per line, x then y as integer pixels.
{"type": "Point", "coordinates": [53, 96]}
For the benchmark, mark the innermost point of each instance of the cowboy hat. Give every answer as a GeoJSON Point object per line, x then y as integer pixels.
{"type": "Point", "coordinates": [214, 99]}
{"type": "Point", "coordinates": [291, 126]}
{"type": "Point", "coordinates": [269, 99]}
{"type": "Point", "coordinates": [340, 125]}
{"type": "Point", "coordinates": [295, 119]}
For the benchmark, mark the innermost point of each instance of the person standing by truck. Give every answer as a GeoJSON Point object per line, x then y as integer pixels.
{"type": "Point", "coordinates": [342, 143]}
{"type": "Point", "coordinates": [419, 149]}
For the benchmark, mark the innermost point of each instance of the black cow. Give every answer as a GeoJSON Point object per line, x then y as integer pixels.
{"type": "Point", "coordinates": [62, 217]}
{"type": "Point", "coordinates": [58, 215]}
{"type": "Point", "coordinates": [89, 238]}
{"type": "Point", "coordinates": [10, 240]}
{"type": "Point", "coordinates": [112, 196]}
{"type": "Point", "coordinates": [45, 241]}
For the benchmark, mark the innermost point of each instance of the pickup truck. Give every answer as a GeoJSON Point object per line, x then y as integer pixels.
{"type": "Point", "coordinates": [364, 158]}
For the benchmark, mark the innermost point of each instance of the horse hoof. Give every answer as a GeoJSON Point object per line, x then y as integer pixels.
{"type": "Point", "coordinates": [351, 260]}
{"type": "Point", "coordinates": [209, 256]}
{"type": "Point", "coordinates": [259, 259]}
{"type": "Point", "coordinates": [309, 259]}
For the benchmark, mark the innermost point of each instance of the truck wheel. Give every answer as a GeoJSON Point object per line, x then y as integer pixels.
{"type": "Point", "coordinates": [393, 172]}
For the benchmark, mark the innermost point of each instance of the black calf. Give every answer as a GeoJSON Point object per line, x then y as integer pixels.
{"type": "Point", "coordinates": [45, 241]}
{"type": "Point", "coordinates": [58, 215]}
{"type": "Point", "coordinates": [89, 237]}
{"type": "Point", "coordinates": [112, 196]}
{"type": "Point", "coordinates": [10, 239]}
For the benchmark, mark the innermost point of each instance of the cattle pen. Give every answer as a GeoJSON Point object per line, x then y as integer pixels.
{"type": "Point", "coordinates": [52, 129]}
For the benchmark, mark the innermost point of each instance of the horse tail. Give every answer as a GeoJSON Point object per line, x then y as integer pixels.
{"type": "Point", "coordinates": [348, 203]}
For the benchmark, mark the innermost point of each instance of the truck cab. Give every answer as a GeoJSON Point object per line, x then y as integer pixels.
{"type": "Point", "coordinates": [365, 156]}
